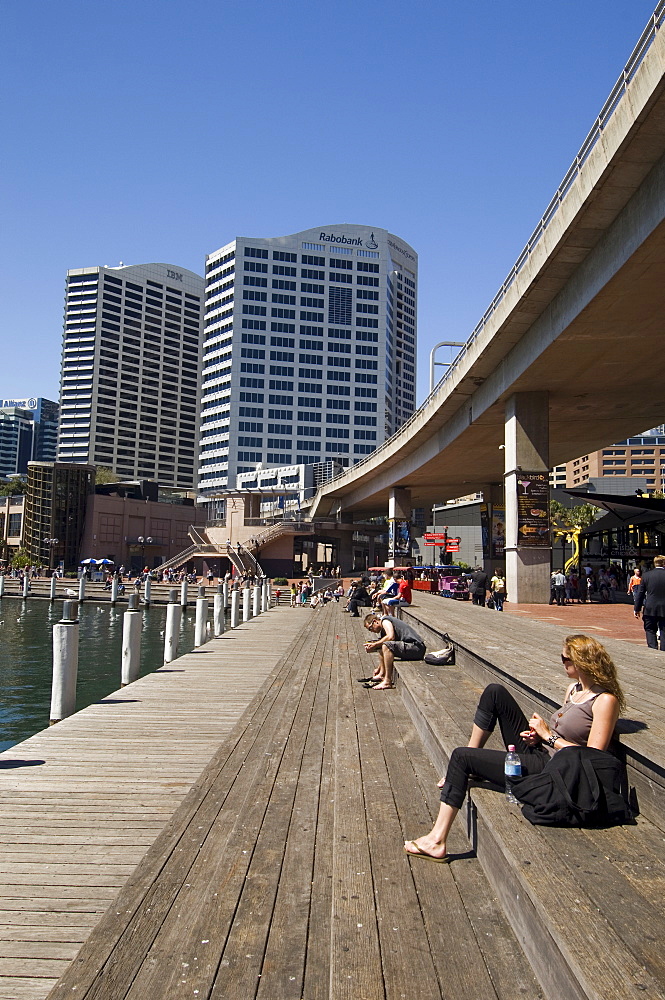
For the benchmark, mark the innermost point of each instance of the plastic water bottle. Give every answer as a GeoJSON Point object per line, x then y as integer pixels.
{"type": "Point", "coordinates": [512, 769]}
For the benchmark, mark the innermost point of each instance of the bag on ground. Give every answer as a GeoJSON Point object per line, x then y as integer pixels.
{"type": "Point", "coordinates": [442, 657]}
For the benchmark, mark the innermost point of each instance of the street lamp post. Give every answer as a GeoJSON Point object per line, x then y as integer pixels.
{"type": "Point", "coordinates": [51, 544]}
{"type": "Point", "coordinates": [143, 542]}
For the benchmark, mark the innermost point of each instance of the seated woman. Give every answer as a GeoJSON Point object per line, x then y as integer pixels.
{"type": "Point", "coordinates": [587, 717]}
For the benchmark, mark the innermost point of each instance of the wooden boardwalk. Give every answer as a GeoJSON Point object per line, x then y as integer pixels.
{"type": "Point", "coordinates": [82, 802]}
{"type": "Point", "coordinates": [280, 875]}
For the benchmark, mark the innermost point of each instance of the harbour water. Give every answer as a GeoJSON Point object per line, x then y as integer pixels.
{"type": "Point", "coordinates": [26, 657]}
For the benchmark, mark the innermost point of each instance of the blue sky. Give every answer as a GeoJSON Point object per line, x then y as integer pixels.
{"type": "Point", "coordinates": [143, 131]}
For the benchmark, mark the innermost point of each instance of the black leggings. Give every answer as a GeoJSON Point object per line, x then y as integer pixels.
{"type": "Point", "coordinates": [496, 705]}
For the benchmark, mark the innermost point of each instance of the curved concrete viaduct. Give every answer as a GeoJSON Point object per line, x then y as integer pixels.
{"type": "Point", "coordinates": [582, 325]}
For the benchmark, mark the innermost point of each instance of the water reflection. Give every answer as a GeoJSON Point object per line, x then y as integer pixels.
{"type": "Point", "coordinates": [26, 657]}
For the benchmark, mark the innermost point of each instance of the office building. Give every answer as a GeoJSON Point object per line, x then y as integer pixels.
{"type": "Point", "coordinates": [641, 456]}
{"type": "Point", "coordinates": [28, 432]}
{"type": "Point", "coordinates": [130, 371]}
{"type": "Point", "coordinates": [309, 350]}
{"type": "Point", "coordinates": [55, 507]}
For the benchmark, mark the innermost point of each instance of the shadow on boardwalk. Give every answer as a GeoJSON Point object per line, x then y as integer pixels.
{"type": "Point", "coordinates": [281, 876]}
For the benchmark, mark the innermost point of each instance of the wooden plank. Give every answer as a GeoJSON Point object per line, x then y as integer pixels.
{"type": "Point", "coordinates": [355, 960]}
{"type": "Point", "coordinates": [111, 959]}
{"type": "Point", "coordinates": [243, 964]}
{"type": "Point", "coordinates": [319, 931]}
{"type": "Point", "coordinates": [88, 776]}
{"type": "Point", "coordinates": [406, 959]}
{"type": "Point", "coordinates": [511, 975]}
{"type": "Point", "coordinates": [283, 967]}
{"type": "Point", "coordinates": [223, 862]}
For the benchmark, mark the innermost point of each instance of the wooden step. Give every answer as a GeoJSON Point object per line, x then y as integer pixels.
{"type": "Point", "coordinates": [524, 656]}
{"type": "Point", "coordinates": [585, 905]}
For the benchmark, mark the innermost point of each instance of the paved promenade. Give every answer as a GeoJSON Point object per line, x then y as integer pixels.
{"type": "Point", "coordinates": [609, 620]}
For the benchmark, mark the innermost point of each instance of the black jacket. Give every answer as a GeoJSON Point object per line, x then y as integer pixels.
{"type": "Point", "coordinates": [579, 786]}
{"type": "Point", "coordinates": [479, 582]}
{"type": "Point", "coordinates": [651, 593]}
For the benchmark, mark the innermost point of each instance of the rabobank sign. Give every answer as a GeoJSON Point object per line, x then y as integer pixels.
{"type": "Point", "coordinates": [349, 241]}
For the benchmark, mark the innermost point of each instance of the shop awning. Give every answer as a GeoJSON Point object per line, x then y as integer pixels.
{"type": "Point", "coordinates": [621, 510]}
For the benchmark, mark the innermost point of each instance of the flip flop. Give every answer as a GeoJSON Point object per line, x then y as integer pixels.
{"type": "Point", "coordinates": [423, 854]}
{"type": "Point", "coordinates": [365, 680]}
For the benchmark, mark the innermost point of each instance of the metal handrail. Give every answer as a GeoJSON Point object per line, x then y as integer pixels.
{"type": "Point", "coordinates": [611, 104]}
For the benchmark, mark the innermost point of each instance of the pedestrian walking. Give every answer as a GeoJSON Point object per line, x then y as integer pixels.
{"type": "Point", "coordinates": [498, 589]}
{"type": "Point", "coordinates": [650, 602]}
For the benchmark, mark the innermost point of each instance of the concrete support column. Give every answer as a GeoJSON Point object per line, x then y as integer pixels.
{"type": "Point", "coordinates": [345, 552]}
{"type": "Point", "coordinates": [399, 510]}
{"type": "Point", "coordinates": [526, 451]}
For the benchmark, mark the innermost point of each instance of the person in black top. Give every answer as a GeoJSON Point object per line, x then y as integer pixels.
{"type": "Point", "coordinates": [651, 597]}
{"type": "Point", "coordinates": [479, 586]}
{"type": "Point", "coordinates": [358, 598]}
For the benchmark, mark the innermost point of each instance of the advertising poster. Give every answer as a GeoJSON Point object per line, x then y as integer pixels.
{"type": "Point", "coordinates": [485, 530]}
{"type": "Point", "coordinates": [533, 502]}
{"type": "Point", "coordinates": [498, 531]}
{"type": "Point", "coordinates": [399, 538]}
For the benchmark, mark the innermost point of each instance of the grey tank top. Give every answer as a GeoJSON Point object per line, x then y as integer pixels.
{"type": "Point", "coordinates": [573, 720]}
{"type": "Point", "coordinates": [403, 632]}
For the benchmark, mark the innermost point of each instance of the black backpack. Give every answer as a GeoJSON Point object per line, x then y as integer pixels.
{"type": "Point", "coordinates": [579, 786]}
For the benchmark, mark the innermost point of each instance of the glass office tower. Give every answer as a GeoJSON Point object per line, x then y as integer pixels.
{"type": "Point", "coordinates": [309, 350]}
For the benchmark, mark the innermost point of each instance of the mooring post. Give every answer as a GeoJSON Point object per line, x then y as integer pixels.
{"type": "Point", "coordinates": [235, 603]}
{"type": "Point", "coordinates": [183, 594]}
{"type": "Point", "coordinates": [201, 618]}
{"type": "Point", "coordinates": [218, 612]}
{"type": "Point", "coordinates": [26, 586]}
{"type": "Point", "coordinates": [256, 603]}
{"type": "Point", "coordinates": [114, 590]}
{"type": "Point", "coordinates": [172, 630]}
{"type": "Point", "coordinates": [82, 589]}
{"type": "Point", "coordinates": [132, 623]}
{"type": "Point", "coordinates": [2, 584]}
{"type": "Point", "coordinates": [54, 583]}
{"type": "Point", "coordinates": [65, 664]}
{"type": "Point", "coordinates": [225, 593]}
{"type": "Point", "coordinates": [246, 609]}
{"type": "Point", "coordinates": [265, 603]}
{"type": "Point", "coordinates": [147, 588]}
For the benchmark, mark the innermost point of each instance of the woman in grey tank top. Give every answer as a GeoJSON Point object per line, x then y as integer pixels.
{"type": "Point", "coordinates": [588, 716]}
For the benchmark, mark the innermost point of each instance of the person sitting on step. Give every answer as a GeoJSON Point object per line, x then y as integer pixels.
{"type": "Point", "coordinates": [397, 640]}
{"type": "Point", "coordinates": [587, 717]}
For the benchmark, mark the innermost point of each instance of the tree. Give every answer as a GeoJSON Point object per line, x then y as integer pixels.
{"type": "Point", "coordinates": [20, 559]}
{"type": "Point", "coordinates": [105, 475]}
{"type": "Point", "coordinates": [581, 516]}
{"type": "Point", "coordinates": [15, 487]}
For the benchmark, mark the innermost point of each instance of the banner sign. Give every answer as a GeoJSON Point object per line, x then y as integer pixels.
{"type": "Point", "coordinates": [399, 538]}
{"type": "Point", "coordinates": [533, 506]}
{"type": "Point", "coordinates": [498, 531]}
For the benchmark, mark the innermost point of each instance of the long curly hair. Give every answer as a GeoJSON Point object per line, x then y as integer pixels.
{"type": "Point", "coordinates": [591, 657]}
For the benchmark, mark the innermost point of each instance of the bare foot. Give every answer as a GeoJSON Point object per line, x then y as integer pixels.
{"type": "Point", "coordinates": [383, 687]}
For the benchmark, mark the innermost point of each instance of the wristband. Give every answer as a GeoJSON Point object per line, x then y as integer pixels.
{"type": "Point", "coordinates": [551, 739]}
